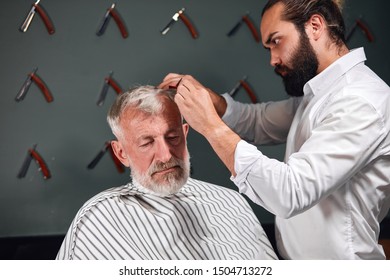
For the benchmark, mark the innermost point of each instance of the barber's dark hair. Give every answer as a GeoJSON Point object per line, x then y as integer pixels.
{"type": "Point", "coordinates": [299, 12]}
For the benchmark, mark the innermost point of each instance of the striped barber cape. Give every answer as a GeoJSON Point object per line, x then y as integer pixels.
{"type": "Point", "coordinates": [201, 221]}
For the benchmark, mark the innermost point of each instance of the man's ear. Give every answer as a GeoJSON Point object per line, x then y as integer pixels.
{"type": "Point", "coordinates": [315, 27]}
{"type": "Point", "coordinates": [185, 129]}
{"type": "Point", "coordinates": [120, 152]}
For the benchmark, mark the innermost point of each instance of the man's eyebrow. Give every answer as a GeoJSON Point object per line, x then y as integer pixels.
{"type": "Point", "coordinates": [270, 38]}
{"type": "Point", "coordinates": [173, 130]}
{"type": "Point", "coordinates": [144, 137]}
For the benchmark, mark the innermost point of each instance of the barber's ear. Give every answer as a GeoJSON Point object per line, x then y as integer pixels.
{"type": "Point", "coordinates": [186, 127]}
{"type": "Point", "coordinates": [315, 26]}
{"type": "Point", "coordinates": [120, 152]}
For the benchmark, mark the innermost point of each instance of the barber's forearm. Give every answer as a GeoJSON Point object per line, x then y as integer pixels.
{"type": "Point", "coordinates": [262, 123]}
{"type": "Point", "coordinates": [219, 102]}
{"type": "Point", "coordinates": [224, 141]}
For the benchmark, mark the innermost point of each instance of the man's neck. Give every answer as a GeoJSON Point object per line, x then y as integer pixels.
{"type": "Point", "coordinates": [331, 55]}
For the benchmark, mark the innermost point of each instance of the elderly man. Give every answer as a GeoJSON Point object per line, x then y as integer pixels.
{"type": "Point", "coordinates": [161, 213]}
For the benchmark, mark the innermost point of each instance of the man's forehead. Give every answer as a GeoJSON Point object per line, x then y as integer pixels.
{"type": "Point", "coordinates": [274, 25]}
{"type": "Point", "coordinates": [271, 18]}
{"type": "Point", "coordinates": [150, 124]}
{"type": "Point", "coordinates": [275, 12]}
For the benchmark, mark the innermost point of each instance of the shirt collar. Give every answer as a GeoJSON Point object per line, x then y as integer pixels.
{"type": "Point", "coordinates": [333, 72]}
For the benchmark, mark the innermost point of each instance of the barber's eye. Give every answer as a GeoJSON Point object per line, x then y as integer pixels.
{"type": "Point", "coordinates": [276, 41]}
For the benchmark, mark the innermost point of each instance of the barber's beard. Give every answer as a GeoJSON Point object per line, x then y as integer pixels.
{"type": "Point", "coordinates": [304, 68]}
{"type": "Point", "coordinates": [164, 184]}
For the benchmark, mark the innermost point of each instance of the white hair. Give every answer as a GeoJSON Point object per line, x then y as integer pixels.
{"type": "Point", "coordinates": [144, 98]}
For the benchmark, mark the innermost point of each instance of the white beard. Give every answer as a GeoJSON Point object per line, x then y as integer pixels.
{"type": "Point", "coordinates": [171, 183]}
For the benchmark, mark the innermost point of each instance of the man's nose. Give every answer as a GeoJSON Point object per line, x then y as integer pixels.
{"type": "Point", "coordinates": [275, 59]}
{"type": "Point", "coordinates": [163, 151]}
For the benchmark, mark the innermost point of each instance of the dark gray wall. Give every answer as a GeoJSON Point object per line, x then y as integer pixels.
{"type": "Point", "coordinates": [74, 61]}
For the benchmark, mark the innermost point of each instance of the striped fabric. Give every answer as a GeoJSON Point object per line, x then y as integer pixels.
{"type": "Point", "coordinates": [202, 221]}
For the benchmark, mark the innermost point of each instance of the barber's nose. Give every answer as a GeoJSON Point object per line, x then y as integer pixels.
{"type": "Point", "coordinates": [163, 151]}
{"type": "Point", "coordinates": [275, 59]}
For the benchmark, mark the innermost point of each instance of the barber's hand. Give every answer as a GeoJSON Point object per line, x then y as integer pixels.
{"type": "Point", "coordinates": [194, 101]}
{"type": "Point", "coordinates": [173, 80]}
{"type": "Point", "coordinates": [199, 107]}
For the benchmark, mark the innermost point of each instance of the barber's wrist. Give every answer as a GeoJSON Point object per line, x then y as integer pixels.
{"type": "Point", "coordinates": [221, 106]}
{"type": "Point", "coordinates": [219, 103]}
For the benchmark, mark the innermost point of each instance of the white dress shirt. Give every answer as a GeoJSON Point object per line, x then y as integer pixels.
{"type": "Point", "coordinates": [333, 188]}
{"type": "Point", "coordinates": [201, 221]}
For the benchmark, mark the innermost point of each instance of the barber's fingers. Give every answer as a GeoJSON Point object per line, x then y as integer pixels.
{"type": "Point", "coordinates": [191, 81]}
{"type": "Point", "coordinates": [179, 100]}
{"type": "Point", "coordinates": [184, 90]}
{"type": "Point", "coordinates": [171, 76]}
{"type": "Point", "coordinates": [192, 85]}
{"type": "Point", "coordinates": [170, 80]}
{"type": "Point", "coordinates": [194, 95]}
{"type": "Point", "coordinates": [183, 101]}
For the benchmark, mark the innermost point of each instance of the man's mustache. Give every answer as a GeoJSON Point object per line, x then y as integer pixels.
{"type": "Point", "coordinates": [281, 70]}
{"type": "Point", "coordinates": [160, 166]}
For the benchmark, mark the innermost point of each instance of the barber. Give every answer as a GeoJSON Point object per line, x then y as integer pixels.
{"type": "Point", "coordinates": [333, 188]}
